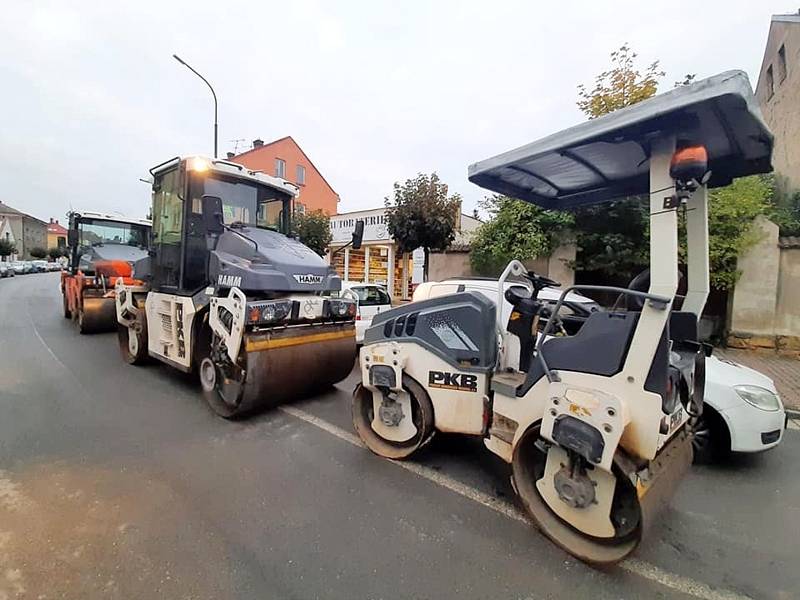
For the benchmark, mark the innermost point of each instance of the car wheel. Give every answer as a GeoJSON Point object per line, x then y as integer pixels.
{"type": "Point", "coordinates": [711, 439]}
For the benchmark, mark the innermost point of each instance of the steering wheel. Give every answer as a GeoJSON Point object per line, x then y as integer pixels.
{"type": "Point", "coordinates": [540, 281]}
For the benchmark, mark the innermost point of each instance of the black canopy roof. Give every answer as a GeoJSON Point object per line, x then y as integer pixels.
{"type": "Point", "coordinates": [608, 157]}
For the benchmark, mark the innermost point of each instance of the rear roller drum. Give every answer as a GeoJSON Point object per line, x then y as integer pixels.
{"type": "Point", "coordinates": [393, 420]}
{"type": "Point", "coordinates": [528, 467]}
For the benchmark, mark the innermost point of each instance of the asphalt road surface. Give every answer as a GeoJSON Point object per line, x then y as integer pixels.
{"type": "Point", "coordinates": [118, 482]}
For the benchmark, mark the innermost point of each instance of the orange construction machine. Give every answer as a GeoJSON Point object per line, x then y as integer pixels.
{"type": "Point", "coordinates": [102, 249]}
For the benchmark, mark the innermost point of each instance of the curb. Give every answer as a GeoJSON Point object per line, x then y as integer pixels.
{"type": "Point", "coordinates": [793, 413]}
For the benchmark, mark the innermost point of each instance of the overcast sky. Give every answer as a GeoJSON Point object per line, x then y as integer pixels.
{"type": "Point", "coordinates": [373, 91]}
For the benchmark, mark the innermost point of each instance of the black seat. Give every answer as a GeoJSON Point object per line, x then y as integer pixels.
{"type": "Point", "coordinates": [600, 348]}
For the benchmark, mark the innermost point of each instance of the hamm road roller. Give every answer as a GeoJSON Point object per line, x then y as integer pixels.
{"type": "Point", "coordinates": [228, 293]}
{"type": "Point", "coordinates": [597, 425]}
{"type": "Point", "coordinates": [102, 249]}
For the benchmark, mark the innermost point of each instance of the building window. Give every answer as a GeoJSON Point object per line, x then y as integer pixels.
{"type": "Point", "coordinates": [781, 63]}
{"type": "Point", "coordinates": [301, 175]}
{"type": "Point", "coordinates": [280, 167]}
{"type": "Point", "coordinates": [770, 83]}
{"type": "Point", "coordinates": [300, 208]}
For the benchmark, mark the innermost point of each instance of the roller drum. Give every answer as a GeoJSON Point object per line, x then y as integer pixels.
{"type": "Point", "coordinates": [284, 365]}
{"type": "Point", "coordinates": [97, 314]}
{"type": "Point", "coordinates": [645, 494]}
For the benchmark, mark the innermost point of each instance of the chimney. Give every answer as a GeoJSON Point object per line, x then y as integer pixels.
{"type": "Point", "coordinates": [257, 143]}
{"type": "Point", "coordinates": [230, 155]}
{"type": "Point", "coordinates": [51, 220]}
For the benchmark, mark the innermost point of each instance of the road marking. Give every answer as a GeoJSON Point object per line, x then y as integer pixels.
{"type": "Point", "coordinates": [638, 567]}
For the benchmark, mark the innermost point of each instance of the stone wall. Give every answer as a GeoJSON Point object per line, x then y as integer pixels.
{"type": "Point", "coordinates": [455, 263]}
{"type": "Point", "coordinates": [765, 312]}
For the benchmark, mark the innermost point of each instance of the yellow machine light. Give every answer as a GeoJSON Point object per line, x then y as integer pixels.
{"type": "Point", "coordinates": [199, 164]}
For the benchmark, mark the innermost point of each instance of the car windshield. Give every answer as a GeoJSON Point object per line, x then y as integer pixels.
{"type": "Point", "coordinates": [251, 204]}
{"type": "Point", "coordinates": [94, 233]}
{"type": "Point", "coordinates": [371, 296]}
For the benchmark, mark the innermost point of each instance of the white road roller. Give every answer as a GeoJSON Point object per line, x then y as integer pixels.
{"type": "Point", "coordinates": [596, 425]}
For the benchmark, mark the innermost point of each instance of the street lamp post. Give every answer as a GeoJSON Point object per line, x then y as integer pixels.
{"type": "Point", "coordinates": [213, 93]}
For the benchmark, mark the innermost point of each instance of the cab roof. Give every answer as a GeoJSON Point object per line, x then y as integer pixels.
{"type": "Point", "coordinates": [111, 216]}
{"type": "Point", "coordinates": [608, 157]}
{"type": "Point", "coordinates": [231, 169]}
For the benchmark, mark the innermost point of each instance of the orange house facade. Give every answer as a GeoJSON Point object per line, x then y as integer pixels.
{"type": "Point", "coordinates": [284, 158]}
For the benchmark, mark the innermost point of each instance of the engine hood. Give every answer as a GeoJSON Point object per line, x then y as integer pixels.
{"type": "Point", "coordinates": [115, 252]}
{"type": "Point", "coordinates": [270, 262]}
{"type": "Point", "coordinates": [725, 372]}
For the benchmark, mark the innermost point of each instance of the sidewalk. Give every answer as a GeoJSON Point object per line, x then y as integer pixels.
{"type": "Point", "coordinates": [784, 371]}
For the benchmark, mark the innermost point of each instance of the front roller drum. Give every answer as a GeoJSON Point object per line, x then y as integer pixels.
{"type": "Point", "coordinates": [419, 411]}
{"type": "Point", "coordinates": [634, 510]}
{"type": "Point", "coordinates": [96, 315]}
{"type": "Point", "coordinates": [276, 367]}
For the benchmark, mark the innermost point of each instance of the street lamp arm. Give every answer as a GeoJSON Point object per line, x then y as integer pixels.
{"type": "Point", "coordinates": [213, 94]}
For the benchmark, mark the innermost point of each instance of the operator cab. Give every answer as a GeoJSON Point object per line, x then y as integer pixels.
{"type": "Point", "coordinates": [253, 249]}
{"type": "Point", "coordinates": [95, 236]}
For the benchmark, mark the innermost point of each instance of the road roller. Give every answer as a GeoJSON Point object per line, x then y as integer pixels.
{"type": "Point", "coordinates": [102, 248]}
{"type": "Point", "coordinates": [227, 292]}
{"type": "Point", "coordinates": [597, 425]}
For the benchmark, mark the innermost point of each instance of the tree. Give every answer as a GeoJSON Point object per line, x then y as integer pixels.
{"type": "Point", "coordinates": [56, 253]}
{"type": "Point", "coordinates": [620, 86]}
{"type": "Point", "coordinates": [422, 215]}
{"type": "Point", "coordinates": [314, 230]}
{"type": "Point", "coordinates": [731, 211]}
{"type": "Point", "coordinates": [610, 236]}
{"type": "Point", "coordinates": [38, 252]}
{"type": "Point", "coordinates": [7, 248]}
{"type": "Point", "coordinates": [786, 210]}
{"type": "Point", "coordinates": [516, 230]}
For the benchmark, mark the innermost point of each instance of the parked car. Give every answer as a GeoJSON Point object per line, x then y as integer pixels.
{"type": "Point", "coordinates": [371, 298]}
{"type": "Point", "coordinates": [742, 411]}
{"type": "Point", "coordinates": [6, 270]}
{"type": "Point", "coordinates": [39, 266]}
{"type": "Point", "coordinates": [53, 266]}
{"type": "Point", "coordinates": [20, 267]}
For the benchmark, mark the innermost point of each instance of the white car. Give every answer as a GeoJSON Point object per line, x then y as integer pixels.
{"type": "Point", "coordinates": [742, 411]}
{"type": "Point", "coordinates": [371, 298]}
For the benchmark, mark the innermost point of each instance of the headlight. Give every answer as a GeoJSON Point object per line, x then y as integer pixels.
{"type": "Point", "coordinates": [342, 308]}
{"type": "Point", "coordinates": [269, 312]}
{"type": "Point", "coordinates": [759, 397]}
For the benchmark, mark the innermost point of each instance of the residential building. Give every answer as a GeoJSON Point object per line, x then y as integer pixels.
{"type": "Point", "coordinates": [284, 158]}
{"type": "Point", "coordinates": [56, 235]}
{"type": "Point", "coordinates": [379, 260]}
{"type": "Point", "coordinates": [25, 231]}
{"type": "Point", "coordinates": [778, 94]}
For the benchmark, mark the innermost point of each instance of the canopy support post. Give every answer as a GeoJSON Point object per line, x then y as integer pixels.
{"type": "Point", "coordinates": [697, 252]}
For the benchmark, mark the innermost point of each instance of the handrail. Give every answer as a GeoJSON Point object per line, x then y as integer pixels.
{"type": "Point", "coordinates": [656, 301]}
{"type": "Point", "coordinates": [515, 268]}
